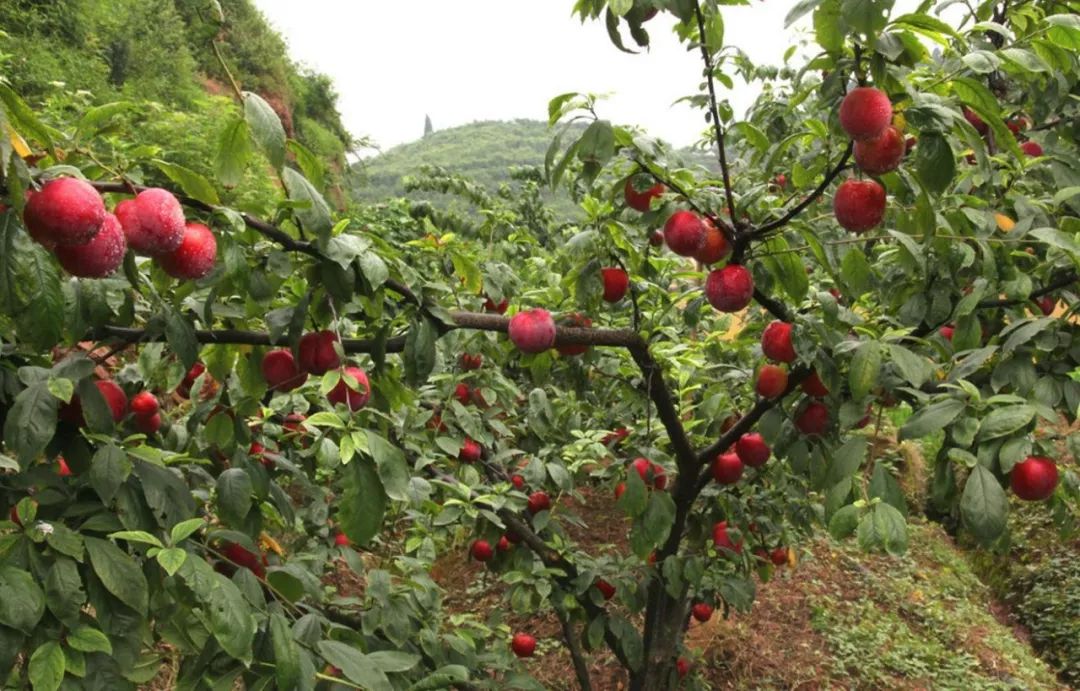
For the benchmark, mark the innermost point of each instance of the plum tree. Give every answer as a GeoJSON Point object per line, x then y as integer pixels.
{"type": "Point", "coordinates": [768, 330]}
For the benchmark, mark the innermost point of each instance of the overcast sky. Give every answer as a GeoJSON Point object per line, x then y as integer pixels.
{"type": "Point", "coordinates": [394, 62]}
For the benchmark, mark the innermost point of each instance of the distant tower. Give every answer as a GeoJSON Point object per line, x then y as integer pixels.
{"type": "Point", "coordinates": [428, 129]}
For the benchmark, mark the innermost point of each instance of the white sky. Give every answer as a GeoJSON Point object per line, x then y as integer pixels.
{"type": "Point", "coordinates": [469, 60]}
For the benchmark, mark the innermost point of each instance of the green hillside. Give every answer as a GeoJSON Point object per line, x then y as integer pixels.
{"type": "Point", "coordinates": [484, 152]}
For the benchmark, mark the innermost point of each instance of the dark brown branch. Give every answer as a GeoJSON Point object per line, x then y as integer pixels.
{"type": "Point", "coordinates": [551, 559]}
{"type": "Point", "coordinates": [1065, 279]}
{"type": "Point", "coordinates": [813, 197]}
{"type": "Point", "coordinates": [665, 406]}
{"type": "Point", "coordinates": [714, 113]}
{"type": "Point", "coordinates": [747, 421]}
{"type": "Point", "coordinates": [235, 337]}
{"type": "Point", "coordinates": [572, 644]}
{"type": "Point", "coordinates": [773, 306]}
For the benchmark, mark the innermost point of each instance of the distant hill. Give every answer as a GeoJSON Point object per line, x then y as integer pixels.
{"type": "Point", "coordinates": [482, 151]}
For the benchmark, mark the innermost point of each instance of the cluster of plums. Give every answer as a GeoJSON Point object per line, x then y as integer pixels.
{"type": "Point", "coordinates": [68, 216]}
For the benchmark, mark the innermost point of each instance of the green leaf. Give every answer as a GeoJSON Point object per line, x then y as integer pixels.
{"type": "Point", "coordinates": [137, 536]}
{"type": "Point", "coordinates": [984, 506]}
{"type": "Point", "coordinates": [22, 604]}
{"type": "Point", "coordinates": [47, 667]}
{"type": "Point", "coordinates": [915, 369]}
{"type": "Point", "coordinates": [420, 354]}
{"type": "Point", "coordinates": [390, 661]}
{"type": "Point", "coordinates": [64, 594]}
{"type": "Point", "coordinates": [92, 120]}
{"type": "Point", "coordinates": [829, 27]}
{"type": "Point", "coordinates": [62, 388]}
{"type": "Point", "coordinates": [193, 184]}
{"type": "Point", "coordinates": [885, 487]}
{"type": "Point", "coordinates": [392, 467]}
{"type": "Point", "coordinates": [119, 573]}
{"type": "Point", "coordinates": [95, 409]}
{"type": "Point", "coordinates": [865, 368]}
{"type": "Point", "coordinates": [787, 266]}
{"type": "Point", "coordinates": [844, 522]}
{"type": "Point", "coordinates": [266, 128]}
{"type": "Point", "coordinates": [286, 653]}
{"type": "Point", "coordinates": [31, 422]}
{"type": "Point", "coordinates": [1025, 330]}
{"type": "Point", "coordinates": [315, 215]}
{"type": "Point", "coordinates": [363, 503]}
{"type": "Point", "coordinates": [171, 559]}
{"type": "Point", "coordinates": [935, 162]}
{"type": "Point", "coordinates": [752, 134]}
{"type": "Point", "coordinates": [800, 9]}
{"type": "Point", "coordinates": [231, 619]}
{"type": "Point", "coordinates": [846, 460]}
{"type": "Point", "coordinates": [597, 143]}
{"type": "Point", "coordinates": [976, 96]}
{"type": "Point", "coordinates": [185, 529]}
{"type": "Point", "coordinates": [883, 527]}
{"type": "Point", "coordinates": [89, 640]}
{"type": "Point", "coordinates": [927, 25]}
{"type": "Point", "coordinates": [234, 495]}
{"type": "Point", "coordinates": [1024, 59]}
{"type": "Point", "coordinates": [233, 153]}
{"type": "Point", "coordinates": [166, 493]}
{"type": "Point", "coordinates": [652, 527]}
{"type": "Point", "coordinates": [855, 273]}
{"type": "Point", "coordinates": [23, 118]}
{"type": "Point", "coordinates": [866, 16]}
{"type": "Point", "coordinates": [354, 665]}
{"type": "Point", "coordinates": [1056, 238]}
{"type": "Point", "coordinates": [36, 281]}
{"type": "Point", "coordinates": [931, 418]}
{"type": "Point", "coordinates": [181, 337]}
{"type": "Point", "coordinates": [374, 268]}
{"type": "Point", "coordinates": [737, 592]}
{"type": "Point", "coordinates": [229, 615]}
{"type": "Point", "coordinates": [309, 163]}
{"type": "Point", "coordinates": [1005, 420]}
{"type": "Point", "coordinates": [1064, 31]}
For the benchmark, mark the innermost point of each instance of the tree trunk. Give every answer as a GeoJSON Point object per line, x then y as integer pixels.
{"type": "Point", "coordinates": [665, 617]}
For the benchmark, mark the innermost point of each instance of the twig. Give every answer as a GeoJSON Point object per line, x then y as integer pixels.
{"type": "Point", "coordinates": [714, 113]}
{"type": "Point", "coordinates": [813, 197]}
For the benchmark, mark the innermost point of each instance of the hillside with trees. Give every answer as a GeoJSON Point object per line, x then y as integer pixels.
{"type": "Point", "coordinates": [484, 152]}
{"type": "Point", "coordinates": [160, 58]}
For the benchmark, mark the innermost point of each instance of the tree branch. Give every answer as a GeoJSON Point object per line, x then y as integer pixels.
{"type": "Point", "coordinates": [665, 406]}
{"type": "Point", "coordinates": [714, 113]}
{"type": "Point", "coordinates": [551, 559]}
{"type": "Point", "coordinates": [797, 209]}
{"type": "Point", "coordinates": [762, 406]}
{"type": "Point", "coordinates": [773, 306]}
{"type": "Point", "coordinates": [580, 668]}
{"type": "Point", "coordinates": [1065, 279]}
{"type": "Point", "coordinates": [267, 230]}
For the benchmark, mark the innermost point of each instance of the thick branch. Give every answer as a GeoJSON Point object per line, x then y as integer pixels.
{"type": "Point", "coordinates": [235, 337]}
{"type": "Point", "coordinates": [572, 644]}
{"type": "Point", "coordinates": [773, 306]}
{"type": "Point", "coordinates": [665, 406]}
{"type": "Point", "coordinates": [747, 421]}
{"type": "Point", "coordinates": [813, 197]}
